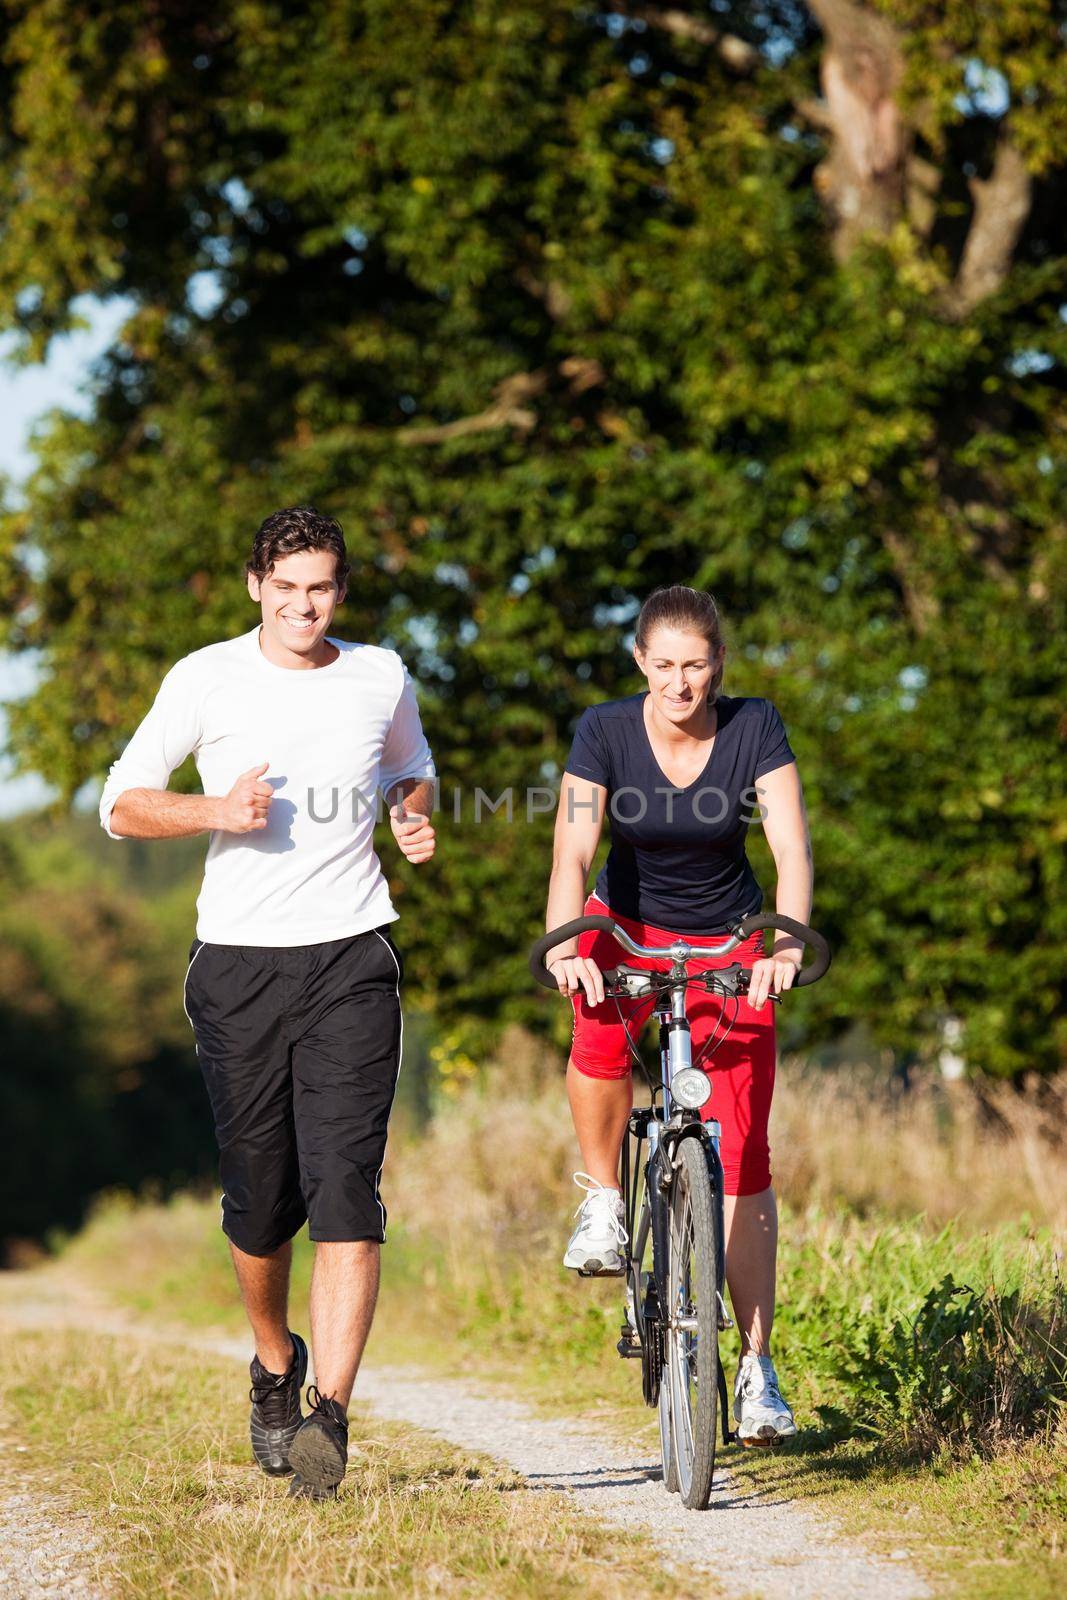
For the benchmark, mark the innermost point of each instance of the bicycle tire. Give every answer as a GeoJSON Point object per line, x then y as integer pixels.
{"type": "Point", "coordinates": [693, 1348]}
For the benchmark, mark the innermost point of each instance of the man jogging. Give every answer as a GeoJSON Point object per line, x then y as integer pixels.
{"type": "Point", "coordinates": [292, 988]}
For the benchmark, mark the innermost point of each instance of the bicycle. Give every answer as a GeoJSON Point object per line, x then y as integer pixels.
{"type": "Point", "coordinates": [673, 1201]}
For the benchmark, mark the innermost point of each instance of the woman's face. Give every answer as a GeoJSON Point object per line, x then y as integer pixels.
{"type": "Point", "coordinates": [679, 667]}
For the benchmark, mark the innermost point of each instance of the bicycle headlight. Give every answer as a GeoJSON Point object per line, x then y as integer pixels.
{"type": "Point", "coordinates": [691, 1088]}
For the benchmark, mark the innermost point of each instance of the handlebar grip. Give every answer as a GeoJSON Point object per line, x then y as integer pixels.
{"type": "Point", "coordinates": [569, 930]}
{"type": "Point", "coordinates": [809, 974]}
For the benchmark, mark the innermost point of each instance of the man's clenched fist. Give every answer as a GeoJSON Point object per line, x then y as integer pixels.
{"type": "Point", "coordinates": [245, 807]}
{"type": "Point", "coordinates": [414, 834]}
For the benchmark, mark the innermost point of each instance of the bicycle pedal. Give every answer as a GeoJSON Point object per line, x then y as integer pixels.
{"type": "Point", "coordinates": [603, 1272]}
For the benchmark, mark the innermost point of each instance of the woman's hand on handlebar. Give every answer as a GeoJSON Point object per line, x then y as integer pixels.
{"type": "Point", "coordinates": [574, 973]}
{"type": "Point", "coordinates": [771, 975]}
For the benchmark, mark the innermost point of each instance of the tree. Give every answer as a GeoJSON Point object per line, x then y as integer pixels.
{"type": "Point", "coordinates": [101, 1085]}
{"type": "Point", "coordinates": [551, 304]}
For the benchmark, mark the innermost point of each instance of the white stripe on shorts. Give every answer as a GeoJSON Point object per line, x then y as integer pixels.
{"type": "Point", "coordinates": [396, 1080]}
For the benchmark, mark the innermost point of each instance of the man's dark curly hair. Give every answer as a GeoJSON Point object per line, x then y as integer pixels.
{"type": "Point", "coordinates": [297, 528]}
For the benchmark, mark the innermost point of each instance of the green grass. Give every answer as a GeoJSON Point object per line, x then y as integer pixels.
{"type": "Point", "coordinates": [151, 1442]}
{"type": "Point", "coordinates": [917, 1337]}
{"type": "Point", "coordinates": [984, 1529]}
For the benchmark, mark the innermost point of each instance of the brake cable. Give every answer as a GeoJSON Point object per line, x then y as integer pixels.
{"type": "Point", "coordinates": [653, 1088]}
{"type": "Point", "coordinates": [711, 1044]}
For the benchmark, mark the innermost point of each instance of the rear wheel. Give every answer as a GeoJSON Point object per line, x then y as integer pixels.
{"type": "Point", "coordinates": [691, 1319]}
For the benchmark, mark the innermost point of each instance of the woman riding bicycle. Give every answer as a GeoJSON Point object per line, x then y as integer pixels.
{"type": "Point", "coordinates": [682, 771]}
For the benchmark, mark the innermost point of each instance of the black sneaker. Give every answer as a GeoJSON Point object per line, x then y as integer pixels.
{"type": "Point", "coordinates": [319, 1452]}
{"type": "Point", "coordinates": [276, 1413]}
{"type": "Point", "coordinates": [299, 1490]}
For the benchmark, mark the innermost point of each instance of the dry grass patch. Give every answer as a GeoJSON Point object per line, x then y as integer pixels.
{"type": "Point", "coordinates": [153, 1442]}
{"type": "Point", "coordinates": [983, 1153]}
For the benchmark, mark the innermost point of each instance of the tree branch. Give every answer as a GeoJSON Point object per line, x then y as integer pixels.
{"type": "Point", "coordinates": [511, 408]}
{"type": "Point", "coordinates": [920, 602]}
{"type": "Point", "coordinates": [552, 295]}
{"type": "Point", "coordinates": [817, 112]}
{"type": "Point", "coordinates": [1001, 206]}
{"type": "Point", "coordinates": [736, 52]}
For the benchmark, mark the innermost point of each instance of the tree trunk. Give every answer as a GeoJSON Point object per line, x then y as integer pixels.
{"type": "Point", "coordinates": [862, 180]}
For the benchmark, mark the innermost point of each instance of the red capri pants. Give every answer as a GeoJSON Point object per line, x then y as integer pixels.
{"type": "Point", "coordinates": [741, 1068]}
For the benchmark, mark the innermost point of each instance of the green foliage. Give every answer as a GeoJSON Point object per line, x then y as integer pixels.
{"type": "Point", "coordinates": [1017, 38]}
{"type": "Point", "coordinates": [971, 1369]}
{"type": "Point", "coordinates": [931, 1366]}
{"type": "Point", "coordinates": [543, 305]}
{"type": "Point", "coordinates": [100, 1083]}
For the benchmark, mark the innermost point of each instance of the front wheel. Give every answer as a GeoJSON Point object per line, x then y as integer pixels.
{"type": "Point", "coordinates": [691, 1316]}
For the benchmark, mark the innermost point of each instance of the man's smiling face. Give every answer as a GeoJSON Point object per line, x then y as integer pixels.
{"type": "Point", "coordinates": [298, 599]}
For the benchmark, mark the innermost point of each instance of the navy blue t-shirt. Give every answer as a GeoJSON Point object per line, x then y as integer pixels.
{"type": "Point", "coordinates": [677, 857]}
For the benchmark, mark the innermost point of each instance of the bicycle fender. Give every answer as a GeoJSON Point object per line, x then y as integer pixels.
{"type": "Point", "coordinates": [715, 1173]}
{"type": "Point", "coordinates": [659, 1168]}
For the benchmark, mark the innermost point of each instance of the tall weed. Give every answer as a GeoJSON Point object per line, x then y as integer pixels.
{"type": "Point", "coordinates": [984, 1152]}
{"type": "Point", "coordinates": [953, 1340]}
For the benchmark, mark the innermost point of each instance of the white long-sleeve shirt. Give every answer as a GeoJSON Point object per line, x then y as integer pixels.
{"type": "Point", "coordinates": [336, 737]}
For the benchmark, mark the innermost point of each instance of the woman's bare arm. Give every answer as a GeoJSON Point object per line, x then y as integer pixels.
{"type": "Point", "coordinates": [785, 824]}
{"type": "Point", "coordinates": [579, 820]}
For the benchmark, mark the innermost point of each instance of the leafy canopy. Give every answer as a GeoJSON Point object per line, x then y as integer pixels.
{"type": "Point", "coordinates": [551, 304]}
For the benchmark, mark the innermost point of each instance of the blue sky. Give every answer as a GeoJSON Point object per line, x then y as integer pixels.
{"type": "Point", "coordinates": [25, 394]}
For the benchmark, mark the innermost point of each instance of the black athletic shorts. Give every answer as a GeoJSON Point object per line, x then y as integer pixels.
{"type": "Point", "coordinates": [300, 1048]}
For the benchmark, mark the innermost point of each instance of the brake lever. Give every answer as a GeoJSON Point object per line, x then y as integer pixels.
{"type": "Point", "coordinates": [742, 988]}
{"type": "Point", "coordinates": [730, 982]}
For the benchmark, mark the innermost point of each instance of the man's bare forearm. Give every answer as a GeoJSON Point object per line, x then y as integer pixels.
{"type": "Point", "coordinates": [158, 814]}
{"type": "Point", "coordinates": [418, 794]}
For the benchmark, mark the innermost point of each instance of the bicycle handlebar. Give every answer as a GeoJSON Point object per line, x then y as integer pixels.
{"type": "Point", "coordinates": [681, 949]}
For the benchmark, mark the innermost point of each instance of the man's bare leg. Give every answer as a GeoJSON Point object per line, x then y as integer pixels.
{"type": "Point", "coordinates": [344, 1292]}
{"type": "Point", "coordinates": [264, 1283]}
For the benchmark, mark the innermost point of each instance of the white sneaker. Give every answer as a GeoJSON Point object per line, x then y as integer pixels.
{"type": "Point", "coordinates": [760, 1412]}
{"type": "Point", "coordinates": [601, 1232]}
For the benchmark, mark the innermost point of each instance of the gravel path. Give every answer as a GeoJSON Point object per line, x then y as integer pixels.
{"type": "Point", "coordinates": [754, 1543]}
{"type": "Point", "coordinates": [44, 1549]}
